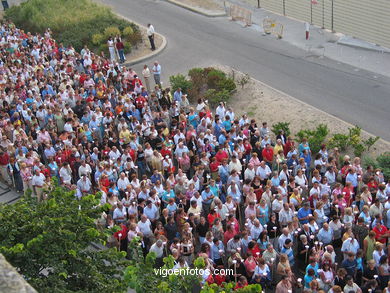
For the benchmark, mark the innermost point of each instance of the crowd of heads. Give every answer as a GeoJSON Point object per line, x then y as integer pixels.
{"type": "Point", "coordinates": [187, 180]}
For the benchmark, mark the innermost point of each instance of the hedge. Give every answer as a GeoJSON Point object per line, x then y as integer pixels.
{"type": "Point", "coordinates": [73, 22]}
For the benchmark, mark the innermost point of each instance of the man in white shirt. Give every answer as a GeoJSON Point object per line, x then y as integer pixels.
{"type": "Point", "coordinates": [114, 154]}
{"type": "Point", "coordinates": [263, 171]}
{"type": "Point", "coordinates": [84, 185]}
{"type": "Point", "coordinates": [150, 33]}
{"type": "Point", "coordinates": [119, 214]}
{"type": "Point", "coordinates": [66, 174]}
{"type": "Point", "coordinates": [256, 229]}
{"type": "Point", "coordinates": [350, 245]}
{"type": "Point", "coordinates": [122, 183]}
{"type": "Point", "coordinates": [282, 238]}
{"type": "Point", "coordinates": [145, 227]}
{"type": "Point", "coordinates": [285, 215]}
{"type": "Point", "coordinates": [85, 169]}
{"type": "Point", "coordinates": [196, 197]}
{"type": "Point", "coordinates": [249, 172]}
{"type": "Point", "coordinates": [38, 180]}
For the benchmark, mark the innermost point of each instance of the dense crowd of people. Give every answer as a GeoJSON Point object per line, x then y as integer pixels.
{"type": "Point", "coordinates": [187, 181]}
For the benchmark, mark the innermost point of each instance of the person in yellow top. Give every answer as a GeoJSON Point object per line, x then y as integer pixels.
{"type": "Point", "coordinates": [278, 146]}
{"type": "Point", "coordinates": [124, 135]}
{"type": "Point", "coordinates": [296, 198]}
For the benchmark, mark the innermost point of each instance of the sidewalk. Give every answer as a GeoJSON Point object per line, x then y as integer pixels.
{"type": "Point", "coordinates": [321, 42]}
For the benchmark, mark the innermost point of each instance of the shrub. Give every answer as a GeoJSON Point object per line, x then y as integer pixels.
{"type": "Point", "coordinates": [103, 48]}
{"type": "Point", "coordinates": [73, 22]}
{"type": "Point", "coordinates": [315, 137]}
{"type": "Point", "coordinates": [382, 162]}
{"type": "Point", "coordinates": [128, 47]}
{"type": "Point", "coordinates": [135, 38]}
{"type": "Point", "coordinates": [214, 96]}
{"type": "Point", "coordinates": [214, 77]}
{"type": "Point", "coordinates": [352, 140]}
{"type": "Point", "coordinates": [97, 39]}
{"type": "Point", "coordinates": [127, 31]}
{"type": "Point", "coordinates": [226, 84]}
{"type": "Point", "coordinates": [285, 126]}
{"type": "Point", "coordinates": [340, 141]}
{"type": "Point", "coordinates": [180, 81]}
{"type": "Point", "coordinates": [243, 80]}
{"type": "Point", "coordinates": [111, 31]}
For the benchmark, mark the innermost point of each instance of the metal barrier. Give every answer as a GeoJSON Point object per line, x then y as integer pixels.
{"type": "Point", "coordinates": [239, 13]}
{"type": "Point", "coordinates": [270, 26]}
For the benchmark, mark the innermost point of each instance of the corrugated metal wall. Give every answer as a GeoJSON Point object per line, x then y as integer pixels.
{"type": "Point", "coordinates": [317, 12]}
{"type": "Point", "coordinates": [273, 5]}
{"type": "Point", "coordinates": [299, 9]}
{"type": "Point", "coordinates": [367, 20]}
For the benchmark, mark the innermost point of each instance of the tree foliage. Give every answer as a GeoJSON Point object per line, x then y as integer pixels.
{"type": "Point", "coordinates": [142, 277]}
{"type": "Point", "coordinates": [50, 244]}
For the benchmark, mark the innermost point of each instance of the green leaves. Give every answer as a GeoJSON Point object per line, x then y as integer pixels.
{"type": "Point", "coordinates": [50, 244]}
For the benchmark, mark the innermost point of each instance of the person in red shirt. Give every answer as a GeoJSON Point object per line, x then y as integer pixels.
{"type": "Point", "coordinates": [212, 216]}
{"type": "Point", "coordinates": [165, 151]}
{"type": "Point", "coordinates": [140, 102]}
{"type": "Point", "coordinates": [254, 249]}
{"type": "Point", "coordinates": [229, 234]}
{"type": "Point", "coordinates": [221, 154]}
{"type": "Point", "coordinates": [347, 192]}
{"type": "Point", "coordinates": [4, 161]}
{"type": "Point", "coordinates": [214, 165]}
{"type": "Point", "coordinates": [248, 148]}
{"type": "Point", "coordinates": [268, 154]}
{"type": "Point", "coordinates": [381, 232]}
{"type": "Point", "coordinates": [233, 221]}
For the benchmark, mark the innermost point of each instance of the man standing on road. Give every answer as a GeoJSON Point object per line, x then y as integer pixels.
{"type": "Point", "coordinates": [156, 72]}
{"type": "Point", "coordinates": [150, 33]}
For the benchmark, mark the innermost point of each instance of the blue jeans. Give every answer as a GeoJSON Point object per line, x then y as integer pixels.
{"type": "Point", "coordinates": [121, 55]}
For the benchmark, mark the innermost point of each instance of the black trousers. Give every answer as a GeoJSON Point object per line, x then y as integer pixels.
{"type": "Point", "coordinates": [151, 40]}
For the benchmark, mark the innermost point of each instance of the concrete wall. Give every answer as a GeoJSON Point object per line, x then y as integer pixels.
{"type": "Point", "coordinates": [364, 19]}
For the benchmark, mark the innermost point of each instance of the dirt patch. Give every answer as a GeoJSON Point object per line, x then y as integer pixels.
{"type": "Point", "coordinates": [143, 48]}
{"type": "Point", "coordinates": [263, 103]}
{"type": "Point", "coordinates": [204, 4]}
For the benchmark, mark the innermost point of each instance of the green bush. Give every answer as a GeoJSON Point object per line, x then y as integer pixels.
{"type": "Point", "coordinates": [111, 31]}
{"type": "Point", "coordinates": [214, 77]}
{"type": "Point", "coordinates": [353, 141]}
{"type": "Point", "coordinates": [128, 47]}
{"type": "Point", "coordinates": [127, 32]}
{"type": "Point", "coordinates": [73, 22]}
{"type": "Point", "coordinates": [226, 84]}
{"type": "Point", "coordinates": [285, 126]}
{"type": "Point", "coordinates": [382, 162]}
{"type": "Point", "coordinates": [103, 48]}
{"type": "Point", "coordinates": [97, 39]}
{"type": "Point", "coordinates": [135, 38]}
{"type": "Point", "coordinates": [315, 137]}
{"type": "Point", "coordinates": [214, 96]}
{"type": "Point", "coordinates": [339, 140]}
{"type": "Point", "coordinates": [180, 81]}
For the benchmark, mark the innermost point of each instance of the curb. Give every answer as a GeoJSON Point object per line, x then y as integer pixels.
{"type": "Point", "coordinates": [196, 10]}
{"type": "Point", "coordinates": [150, 55]}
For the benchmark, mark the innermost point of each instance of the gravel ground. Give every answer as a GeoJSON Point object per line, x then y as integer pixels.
{"type": "Point", "coordinates": [265, 103]}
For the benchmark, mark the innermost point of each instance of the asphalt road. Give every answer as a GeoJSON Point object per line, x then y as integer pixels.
{"type": "Point", "coordinates": [194, 40]}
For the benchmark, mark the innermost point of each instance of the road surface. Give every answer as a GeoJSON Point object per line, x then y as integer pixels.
{"type": "Point", "coordinates": [356, 96]}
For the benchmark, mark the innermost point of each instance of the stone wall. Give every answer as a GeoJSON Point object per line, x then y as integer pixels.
{"type": "Point", "coordinates": [11, 281]}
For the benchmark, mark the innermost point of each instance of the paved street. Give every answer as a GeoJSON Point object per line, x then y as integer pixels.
{"type": "Point", "coordinates": [357, 96]}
